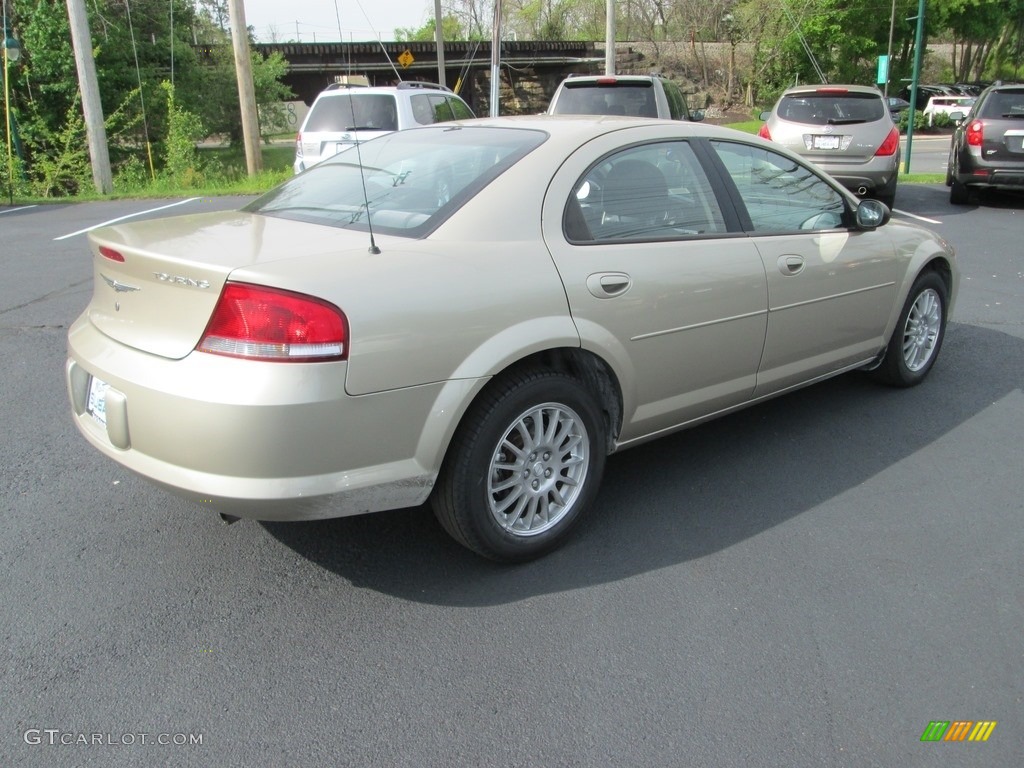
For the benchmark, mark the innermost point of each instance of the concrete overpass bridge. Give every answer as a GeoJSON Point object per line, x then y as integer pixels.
{"type": "Point", "coordinates": [530, 70]}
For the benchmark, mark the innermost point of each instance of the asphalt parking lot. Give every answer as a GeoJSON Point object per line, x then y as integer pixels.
{"type": "Point", "coordinates": [810, 582]}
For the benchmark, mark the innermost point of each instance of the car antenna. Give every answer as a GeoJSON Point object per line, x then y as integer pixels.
{"type": "Point", "coordinates": [373, 249]}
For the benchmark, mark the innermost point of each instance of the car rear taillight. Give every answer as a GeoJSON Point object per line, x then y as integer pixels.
{"type": "Point", "coordinates": [260, 323]}
{"type": "Point", "coordinates": [832, 90]}
{"type": "Point", "coordinates": [890, 145]}
{"type": "Point", "coordinates": [975, 133]}
{"type": "Point", "coordinates": [298, 142]}
{"type": "Point", "coordinates": [607, 80]}
{"type": "Point", "coordinates": [764, 133]}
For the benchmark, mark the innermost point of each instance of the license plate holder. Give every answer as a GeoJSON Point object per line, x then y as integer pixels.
{"type": "Point", "coordinates": [825, 142]}
{"type": "Point", "coordinates": [96, 405]}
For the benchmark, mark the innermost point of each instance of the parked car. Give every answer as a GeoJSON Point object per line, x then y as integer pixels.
{"type": "Point", "coordinates": [947, 105]}
{"type": "Point", "coordinates": [897, 105]}
{"type": "Point", "coordinates": [344, 114]}
{"type": "Point", "coordinates": [632, 95]}
{"type": "Point", "coordinates": [478, 313]}
{"type": "Point", "coordinates": [846, 130]}
{"type": "Point", "coordinates": [987, 149]}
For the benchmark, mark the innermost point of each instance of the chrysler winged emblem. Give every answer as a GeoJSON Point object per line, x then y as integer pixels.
{"type": "Point", "coordinates": [119, 287]}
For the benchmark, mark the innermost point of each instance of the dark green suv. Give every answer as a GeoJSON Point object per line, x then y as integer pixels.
{"type": "Point", "coordinates": [634, 95]}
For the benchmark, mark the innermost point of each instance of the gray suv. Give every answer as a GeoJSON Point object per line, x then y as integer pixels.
{"type": "Point", "coordinates": [988, 144]}
{"type": "Point", "coordinates": [846, 130]}
{"type": "Point", "coordinates": [635, 95]}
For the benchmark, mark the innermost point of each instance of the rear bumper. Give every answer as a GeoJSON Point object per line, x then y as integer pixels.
{"type": "Point", "coordinates": [271, 441]}
{"type": "Point", "coordinates": [874, 176]}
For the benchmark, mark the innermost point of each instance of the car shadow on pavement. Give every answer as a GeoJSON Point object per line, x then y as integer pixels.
{"type": "Point", "coordinates": [690, 494]}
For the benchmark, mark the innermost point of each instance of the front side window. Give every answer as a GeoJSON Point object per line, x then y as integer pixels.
{"type": "Point", "coordinates": [408, 181]}
{"type": "Point", "coordinates": [648, 192]}
{"type": "Point", "coordinates": [780, 194]}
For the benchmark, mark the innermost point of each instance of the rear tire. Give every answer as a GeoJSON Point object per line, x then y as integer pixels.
{"type": "Point", "coordinates": [959, 194]}
{"type": "Point", "coordinates": [917, 338]}
{"type": "Point", "coordinates": [523, 467]}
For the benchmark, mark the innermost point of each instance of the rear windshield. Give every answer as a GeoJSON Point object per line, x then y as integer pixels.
{"type": "Point", "coordinates": [409, 181]}
{"type": "Point", "coordinates": [352, 112]}
{"type": "Point", "coordinates": [1007, 103]}
{"type": "Point", "coordinates": [831, 108]}
{"type": "Point", "coordinates": [621, 97]}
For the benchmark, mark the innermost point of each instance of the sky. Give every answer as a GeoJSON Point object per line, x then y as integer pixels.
{"type": "Point", "coordinates": [311, 21]}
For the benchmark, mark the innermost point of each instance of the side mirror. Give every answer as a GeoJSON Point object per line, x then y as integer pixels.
{"type": "Point", "coordinates": [697, 115]}
{"type": "Point", "coordinates": [957, 117]}
{"type": "Point", "coordinates": [872, 214]}
{"type": "Point", "coordinates": [765, 115]}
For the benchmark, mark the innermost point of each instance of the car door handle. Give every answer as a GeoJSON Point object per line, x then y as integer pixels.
{"type": "Point", "coordinates": [791, 265]}
{"type": "Point", "coordinates": [607, 285]}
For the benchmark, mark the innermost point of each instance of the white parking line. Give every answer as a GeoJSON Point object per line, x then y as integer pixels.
{"type": "Point", "coordinates": [122, 218]}
{"type": "Point", "coordinates": [22, 208]}
{"type": "Point", "coordinates": [915, 216]}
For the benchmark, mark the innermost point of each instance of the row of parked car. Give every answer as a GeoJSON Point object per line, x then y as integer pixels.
{"type": "Point", "coordinates": [847, 130]}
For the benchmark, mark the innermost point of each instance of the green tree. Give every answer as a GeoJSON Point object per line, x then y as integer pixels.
{"type": "Point", "coordinates": [451, 29]}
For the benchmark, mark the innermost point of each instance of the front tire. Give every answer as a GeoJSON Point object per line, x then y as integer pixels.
{"type": "Point", "coordinates": [523, 467]}
{"type": "Point", "coordinates": [915, 343]}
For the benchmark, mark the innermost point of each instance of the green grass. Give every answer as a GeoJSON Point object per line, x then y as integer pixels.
{"type": "Point", "coordinates": [747, 126]}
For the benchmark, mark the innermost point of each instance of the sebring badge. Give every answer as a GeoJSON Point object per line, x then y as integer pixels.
{"type": "Point", "coordinates": [163, 277]}
{"type": "Point", "coordinates": [119, 287]}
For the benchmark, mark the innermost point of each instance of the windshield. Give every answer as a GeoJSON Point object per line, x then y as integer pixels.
{"type": "Point", "coordinates": [409, 181]}
{"type": "Point", "coordinates": [831, 108]}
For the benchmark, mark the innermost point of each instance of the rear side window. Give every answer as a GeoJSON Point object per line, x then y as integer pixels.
{"type": "Point", "coordinates": [676, 105]}
{"type": "Point", "coordinates": [648, 192]}
{"type": "Point", "coordinates": [430, 108]}
{"type": "Point", "coordinates": [352, 111]}
{"type": "Point", "coordinates": [832, 109]}
{"type": "Point", "coordinates": [460, 109]}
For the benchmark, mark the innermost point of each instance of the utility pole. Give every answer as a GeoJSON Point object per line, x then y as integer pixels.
{"type": "Point", "coordinates": [496, 59]}
{"type": "Point", "coordinates": [92, 107]}
{"type": "Point", "coordinates": [246, 90]}
{"type": "Point", "coordinates": [439, 41]}
{"type": "Point", "coordinates": [609, 38]}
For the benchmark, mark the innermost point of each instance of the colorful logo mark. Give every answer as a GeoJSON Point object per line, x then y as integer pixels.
{"type": "Point", "coordinates": [959, 730]}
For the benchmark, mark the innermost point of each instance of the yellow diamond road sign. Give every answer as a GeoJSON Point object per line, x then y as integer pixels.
{"type": "Point", "coordinates": [405, 58]}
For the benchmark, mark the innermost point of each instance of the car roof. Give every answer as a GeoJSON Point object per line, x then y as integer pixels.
{"type": "Point", "coordinates": [410, 87]}
{"type": "Point", "coordinates": [584, 127]}
{"type": "Point", "coordinates": [831, 89]}
{"type": "Point", "coordinates": [574, 79]}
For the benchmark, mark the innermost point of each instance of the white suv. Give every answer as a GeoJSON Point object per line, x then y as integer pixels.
{"type": "Point", "coordinates": [344, 114]}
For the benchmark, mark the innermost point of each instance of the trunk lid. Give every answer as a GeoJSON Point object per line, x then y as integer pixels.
{"type": "Point", "coordinates": [160, 297]}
